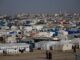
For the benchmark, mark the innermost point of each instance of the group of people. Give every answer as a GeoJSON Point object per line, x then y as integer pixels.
{"type": "Point", "coordinates": [48, 55]}
{"type": "Point", "coordinates": [49, 52]}
{"type": "Point", "coordinates": [74, 47]}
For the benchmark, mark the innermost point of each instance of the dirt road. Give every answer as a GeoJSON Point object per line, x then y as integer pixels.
{"type": "Point", "coordinates": [40, 55]}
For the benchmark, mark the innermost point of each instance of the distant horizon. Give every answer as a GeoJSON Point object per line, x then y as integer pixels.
{"type": "Point", "coordinates": [12, 7]}
{"type": "Point", "coordinates": [31, 12]}
{"type": "Point", "coordinates": [40, 12]}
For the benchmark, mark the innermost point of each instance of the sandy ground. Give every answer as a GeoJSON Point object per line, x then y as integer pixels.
{"type": "Point", "coordinates": [40, 55]}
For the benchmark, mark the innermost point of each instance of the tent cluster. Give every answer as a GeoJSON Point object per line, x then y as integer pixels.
{"type": "Point", "coordinates": [12, 49]}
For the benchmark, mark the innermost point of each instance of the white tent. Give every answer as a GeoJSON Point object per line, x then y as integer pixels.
{"type": "Point", "coordinates": [14, 48]}
{"type": "Point", "coordinates": [21, 27]}
{"type": "Point", "coordinates": [12, 51]}
{"type": "Point", "coordinates": [52, 44]}
{"type": "Point", "coordinates": [28, 28]}
{"type": "Point", "coordinates": [66, 45]}
{"type": "Point", "coordinates": [63, 35]}
{"type": "Point", "coordinates": [38, 27]}
{"type": "Point", "coordinates": [13, 28]}
{"type": "Point", "coordinates": [44, 34]}
{"type": "Point", "coordinates": [46, 44]}
{"type": "Point", "coordinates": [11, 39]}
{"type": "Point", "coordinates": [6, 27]}
{"type": "Point", "coordinates": [56, 45]}
{"type": "Point", "coordinates": [1, 52]}
{"type": "Point", "coordinates": [76, 41]}
{"type": "Point", "coordinates": [26, 33]}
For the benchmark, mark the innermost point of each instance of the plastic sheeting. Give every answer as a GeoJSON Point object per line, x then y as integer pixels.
{"type": "Point", "coordinates": [67, 47]}
{"type": "Point", "coordinates": [11, 39]}
{"type": "Point", "coordinates": [1, 51]}
{"type": "Point", "coordinates": [28, 28]}
{"type": "Point", "coordinates": [76, 41]}
{"type": "Point", "coordinates": [44, 34]}
{"type": "Point", "coordinates": [12, 51]}
{"type": "Point", "coordinates": [14, 28]}
{"type": "Point", "coordinates": [56, 45]}
{"type": "Point", "coordinates": [14, 48]}
{"type": "Point", "coordinates": [38, 27]}
{"type": "Point", "coordinates": [46, 44]}
{"type": "Point", "coordinates": [63, 35]}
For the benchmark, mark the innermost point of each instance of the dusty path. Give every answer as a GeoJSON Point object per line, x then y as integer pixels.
{"type": "Point", "coordinates": [40, 55]}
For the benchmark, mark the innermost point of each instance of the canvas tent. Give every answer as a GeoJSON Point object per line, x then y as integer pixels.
{"type": "Point", "coordinates": [66, 45]}
{"type": "Point", "coordinates": [45, 45]}
{"type": "Point", "coordinates": [14, 48]}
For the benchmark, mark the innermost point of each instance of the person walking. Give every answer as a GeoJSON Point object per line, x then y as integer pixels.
{"type": "Point", "coordinates": [48, 55]}
{"type": "Point", "coordinates": [74, 48]}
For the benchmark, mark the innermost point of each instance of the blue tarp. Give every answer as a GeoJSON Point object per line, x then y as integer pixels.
{"type": "Point", "coordinates": [9, 24]}
{"type": "Point", "coordinates": [54, 30]}
{"type": "Point", "coordinates": [13, 33]}
{"type": "Point", "coordinates": [2, 23]}
{"type": "Point", "coordinates": [73, 31]}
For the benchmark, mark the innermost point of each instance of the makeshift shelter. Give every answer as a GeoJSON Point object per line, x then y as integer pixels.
{"type": "Point", "coordinates": [63, 35]}
{"type": "Point", "coordinates": [11, 39]}
{"type": "Point", "coordinates": [76, 41]}
{"type": "Point", "coordinates": [1, 51]}
{"type": "Point", "coordinates": [38, 27]}
{"type": "Point", "coordinates": [44, 34]}
{"type": "Point", "coordinates": [45, 45]}
{"type": "Point", "coordinates": [66, 45]}
{"type": "Point", "coordinates": [13, 28]}
{"type": "Point", "coordinates": [12, 51]}
{"type": "Point", "coordinates": [26, 33]}
{"type": "Point", "coordinates": [14, 48]}
{"type": "Point", "coordinates": [28, 28]}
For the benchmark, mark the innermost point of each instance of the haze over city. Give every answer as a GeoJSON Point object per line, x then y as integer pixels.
{"type": "Point", "coordinates": [37, 6]}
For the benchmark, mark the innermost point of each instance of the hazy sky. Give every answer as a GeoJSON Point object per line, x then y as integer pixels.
{"type": "Point", "coordinates": [17, 6]}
